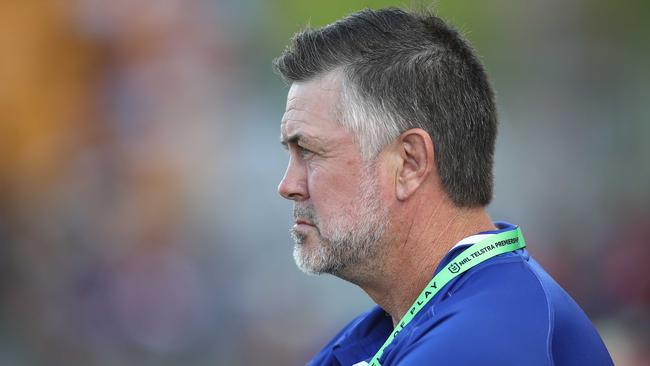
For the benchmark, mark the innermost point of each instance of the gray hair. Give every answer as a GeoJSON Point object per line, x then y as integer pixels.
{"type": "Point", "coordinates": [400, 71]}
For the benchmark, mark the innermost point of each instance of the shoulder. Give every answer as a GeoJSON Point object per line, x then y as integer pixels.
{"type": "Point", "coordinates": [497, 314]}
{"type": "Point", "coordinates": [357, 340]}
{"type": "Point", "coordinates": [508, 311]}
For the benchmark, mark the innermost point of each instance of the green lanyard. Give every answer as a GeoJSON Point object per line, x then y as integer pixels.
{"type": "Point", "coordinates": [496, 244]}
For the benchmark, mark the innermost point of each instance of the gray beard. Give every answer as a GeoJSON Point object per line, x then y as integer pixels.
{"type": "Point", "coordinates": [350, 243]}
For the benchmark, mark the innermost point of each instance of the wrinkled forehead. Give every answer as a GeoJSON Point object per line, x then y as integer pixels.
{"type": "Point", "coordinates": [312, 103]}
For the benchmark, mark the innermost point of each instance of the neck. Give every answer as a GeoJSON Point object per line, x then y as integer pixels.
{"type": "Point", "coordinates": [411, 259]}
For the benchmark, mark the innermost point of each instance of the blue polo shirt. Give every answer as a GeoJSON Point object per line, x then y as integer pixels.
{"type": "Point", "coordinates": [504, 311]}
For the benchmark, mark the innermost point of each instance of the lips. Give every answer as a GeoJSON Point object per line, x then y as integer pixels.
{"type": "Point", "coordinates": [303, 222]}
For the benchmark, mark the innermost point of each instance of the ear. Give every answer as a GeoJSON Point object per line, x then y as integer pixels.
{"type": "Point", "coordinates": [416, 162]}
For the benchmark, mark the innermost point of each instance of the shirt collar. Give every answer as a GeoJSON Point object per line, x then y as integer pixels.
{"type": "Point", "coordinates": [501, 226]}
{"type": "Point", "coordinates": [472, 239]}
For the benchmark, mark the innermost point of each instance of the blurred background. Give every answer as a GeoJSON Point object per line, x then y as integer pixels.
{"type": "Point", "coordinates": [139, 160]}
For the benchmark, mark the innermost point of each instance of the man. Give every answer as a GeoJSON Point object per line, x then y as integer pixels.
{"type": "Point", "coordinates": [390, 125]}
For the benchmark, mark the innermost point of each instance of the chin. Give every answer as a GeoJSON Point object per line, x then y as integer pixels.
{"type": "Point", "coordinates": [312, 259]}
{"type": "Point", "coordinates": [302, 258]}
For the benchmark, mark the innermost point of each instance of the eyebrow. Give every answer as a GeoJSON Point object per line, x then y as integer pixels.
{"type": "Point", "coordinates": [292, 139]}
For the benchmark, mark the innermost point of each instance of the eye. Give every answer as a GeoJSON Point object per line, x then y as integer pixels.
{"type": "Point", "coordinates": [304, 152]}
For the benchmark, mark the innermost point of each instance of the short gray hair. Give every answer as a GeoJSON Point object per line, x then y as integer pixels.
{"type": "Point", "coordinates": [405, 70]}
{"type": "Point", "coordinates": [373, 125]}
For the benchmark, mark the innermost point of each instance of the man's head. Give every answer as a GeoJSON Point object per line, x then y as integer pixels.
{"type": "Point", "coordinates": [374, 80]}
{"type": "Point", "coordinates": [338, 209]}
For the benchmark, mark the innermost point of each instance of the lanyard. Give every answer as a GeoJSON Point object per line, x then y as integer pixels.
{"type": "Point", "coordinates": [496, 244]}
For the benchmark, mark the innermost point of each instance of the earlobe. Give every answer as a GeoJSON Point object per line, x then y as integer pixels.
{"type": "Point", "coordinates": [416, 162]}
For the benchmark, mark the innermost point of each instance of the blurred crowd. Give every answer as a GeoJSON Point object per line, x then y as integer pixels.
{"type": "Point", "coordinates": [139, 223]}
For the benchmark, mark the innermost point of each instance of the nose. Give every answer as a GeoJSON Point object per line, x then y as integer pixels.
{"type": "Point", "coordinates": [293, 185]}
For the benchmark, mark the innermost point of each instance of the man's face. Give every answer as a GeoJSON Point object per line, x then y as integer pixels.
{"type": "Point", "coordinates": [338, 207]}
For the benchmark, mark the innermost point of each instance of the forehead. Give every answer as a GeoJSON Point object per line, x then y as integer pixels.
{"type": "Point", "coordinates": [311, 107]}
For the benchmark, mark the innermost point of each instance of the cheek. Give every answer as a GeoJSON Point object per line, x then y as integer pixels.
{"type": "Point", "coordinates": [331, 190]}
{"type": "Point", "coordinates": [386, 182]}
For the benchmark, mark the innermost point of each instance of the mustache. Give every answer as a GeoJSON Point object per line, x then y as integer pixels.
{"type": "Point", "coordinates": [306, 213]}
